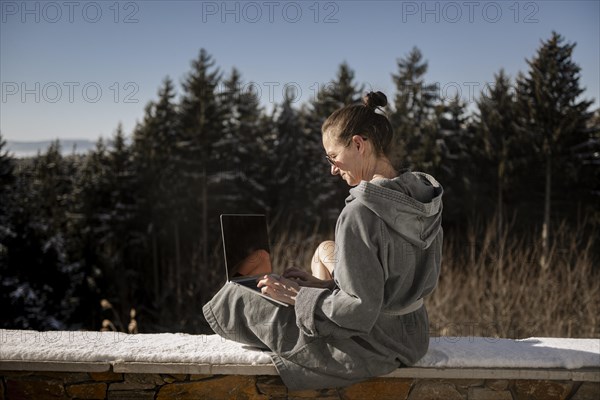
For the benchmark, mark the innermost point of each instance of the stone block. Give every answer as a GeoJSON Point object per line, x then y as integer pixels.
{"type": "Point", "coordinates": [322, 394]}
{"type": "Point", "coordinates": [378, 389]}
{"type": "Point", "coordinates": [94, 390]}
{"type": "Point", "coordinates": [120, 386]}
{"type": "Point", "coordinates": [153, 379]}
{"type": "Point", "coordinates": [477, 393]}
{"type": "Point", "coordinates": [34, 389]}
{"type": "Point", "coordinates": [170, 378]}
{"type": "Point", "coordinates": [107, 376]}
{"type": "Point", "coordinates": [223, 387]}
{"type": "Point", "coordinates": [66, 377]}
{"type": "Point", "coordinates": [542, 390]}
{"type": "Point", "coordinates": [465, 383]}
{"type": "Point", "coordinates": [200, 377]}
{"type": "Point", "coordinates": [497, 384]}
{"type": "Point", "coordinates": [434, 390]}
{"type": "Point", "coordinates": [16, 373]}
{"type": "Point", "coordinates": [272, 386]}
{"type": "Point", "coordinates": [587, 391]}
{"type": "Point", "coordinates": [131, 395]}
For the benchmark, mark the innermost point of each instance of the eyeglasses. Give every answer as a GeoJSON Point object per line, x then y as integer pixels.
{"type": "Point", "coordinates": [332, 161]}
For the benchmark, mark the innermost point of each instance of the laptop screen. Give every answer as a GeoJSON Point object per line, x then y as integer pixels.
{"type": "Point", "coordinates": [245, 245]}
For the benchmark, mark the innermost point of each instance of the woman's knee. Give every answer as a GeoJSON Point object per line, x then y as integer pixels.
{"type": "Point", "coordinates": [326, 251]}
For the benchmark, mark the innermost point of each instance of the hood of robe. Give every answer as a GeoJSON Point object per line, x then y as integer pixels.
{"type": "Point", "coordinates": [410, 204]}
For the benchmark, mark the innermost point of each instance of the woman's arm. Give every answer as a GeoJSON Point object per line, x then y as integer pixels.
{"type": "Point", "coordinates": [303, 278]}
{"type": "Point", "coordinates": [286, 287]}
{"type": "Point", "coordinates": [354, 305]}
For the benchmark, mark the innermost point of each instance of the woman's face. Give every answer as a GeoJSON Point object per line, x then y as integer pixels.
{"type": "Point", "coordinates": [347, 160]}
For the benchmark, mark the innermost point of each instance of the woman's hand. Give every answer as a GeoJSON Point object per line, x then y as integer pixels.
{"type": "Point", "coordinates": [304, 278]}
{"type": "Point", "coordinates": [279, 288]}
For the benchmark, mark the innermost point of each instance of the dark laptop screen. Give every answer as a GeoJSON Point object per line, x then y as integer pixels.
{"type": "Point", "coordinates": [245, 245]}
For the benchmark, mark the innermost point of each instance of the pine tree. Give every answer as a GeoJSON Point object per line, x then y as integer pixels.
{"type": "Point", "coordinates": [497, 125]}
{"type": "Point", "coordinates": [241, 151]}
{"type": "Point", "coordinates": [549, 98]}
{"type": "Point", "coordinates": [122, 182]}
{"type": "Point", "coordinates": [7, 231]}
{"type": "Point", "coordinates": [588, 155]}
{"type": "Point", "coordinates": [325, 193]}
{"type": "Point", "coordinates": [38, 276]}
{"type": "Point", "coordinates": [161, 192]}
{"type": "Point", "coordinates": [6, 165]}
{"type": "Point", "coordinates": [7, 178]}
{"type": "Point", "coordinates": [590, 161]}
{"type": "Point", "coordinates": [124, 243]}
{"type": "Point", "coordinates": [111, 247]}
{"type": "Point", "coordinates": [201, 127]}
{"type": "Point", "coordinates": [447, 151]}
{"type": "Point", "coordinates": [414, 118]}
{"type": "Point", "coordinates": [337, 93]}
{"type": "Point", "coordinates": [289, 197]}
{"type": "Point", "coordinates": [154, 148]}
{"type": "Point", "coordinates": [89, 229]}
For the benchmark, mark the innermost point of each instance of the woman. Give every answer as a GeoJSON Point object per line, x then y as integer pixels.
{"type": "Point", "coordinates": [362, 315]}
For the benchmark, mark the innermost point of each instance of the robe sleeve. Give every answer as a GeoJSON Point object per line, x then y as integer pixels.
{"type": "Point", "coordinates": [353, 307]}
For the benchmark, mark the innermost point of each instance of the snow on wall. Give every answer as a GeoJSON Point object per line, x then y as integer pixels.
{"type": "Point", "coordinates": [444, 352]}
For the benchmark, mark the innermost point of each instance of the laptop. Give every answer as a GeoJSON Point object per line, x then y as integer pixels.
{"type": "Point", "coordinates": [246, 251]}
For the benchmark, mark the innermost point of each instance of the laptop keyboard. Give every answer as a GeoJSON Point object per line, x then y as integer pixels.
{"type": "Point", "coordinates": [250, 283]}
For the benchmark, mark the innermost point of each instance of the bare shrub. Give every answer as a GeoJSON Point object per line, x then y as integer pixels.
{"type": "Point", "coordinates": [494, 286]}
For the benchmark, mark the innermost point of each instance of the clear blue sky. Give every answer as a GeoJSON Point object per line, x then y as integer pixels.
{"type": "Point", "coordinates": [76, 69]}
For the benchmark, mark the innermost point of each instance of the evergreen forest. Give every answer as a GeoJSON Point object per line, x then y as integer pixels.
{"type": "Point", "coordinates": [134, 224]}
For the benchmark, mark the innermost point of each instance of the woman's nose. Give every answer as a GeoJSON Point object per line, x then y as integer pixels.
{"type": "Point", "coordinates": [334, 170]}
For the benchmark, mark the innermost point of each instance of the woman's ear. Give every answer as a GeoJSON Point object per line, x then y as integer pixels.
{"type": "Point", "coordinates": [360, 143]}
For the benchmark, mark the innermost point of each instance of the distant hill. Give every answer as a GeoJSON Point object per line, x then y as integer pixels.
{"type": "Point", "coordinates": [31, 149]}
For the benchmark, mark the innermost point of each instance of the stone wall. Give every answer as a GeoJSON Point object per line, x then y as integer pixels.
{"type": "Point", "coordinates": [110, 385]}
{"type": "Point", "coordinates": [102, 365]}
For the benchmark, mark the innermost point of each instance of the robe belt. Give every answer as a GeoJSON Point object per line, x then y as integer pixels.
{"type": "Point", "coordinates": [406, 310]}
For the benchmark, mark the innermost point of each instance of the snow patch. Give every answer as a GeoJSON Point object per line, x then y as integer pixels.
{"type": "Point", "coordinates": [444, 352]}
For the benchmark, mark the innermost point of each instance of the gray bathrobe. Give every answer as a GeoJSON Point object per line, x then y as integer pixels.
{"type": "Point", "coordinates": [388, 252]}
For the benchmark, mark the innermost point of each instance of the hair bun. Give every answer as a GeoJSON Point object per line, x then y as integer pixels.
{"type": "Point", "coordinates": [374, 100]}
